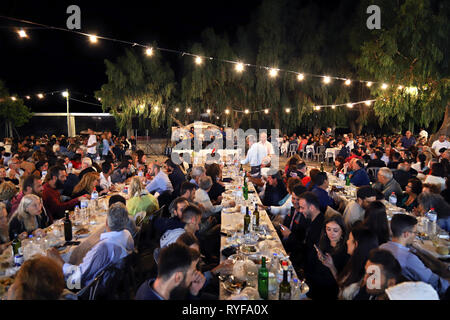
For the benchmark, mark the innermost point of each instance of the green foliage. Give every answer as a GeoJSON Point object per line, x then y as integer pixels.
{"type": "Point", "coordinates": [138, 86]}
{"type": "Point", "coordinates": [14, 111]}
{"type": "Point", "coordinates": [412, 51]}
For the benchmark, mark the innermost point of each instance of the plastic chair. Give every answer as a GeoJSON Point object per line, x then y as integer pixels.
{"type": "Point", "coordinates": [320, 153]}
{"type": "Point", "coordinates": [292, 149]}
{"type": "Point", "coordinates": [373, 173]}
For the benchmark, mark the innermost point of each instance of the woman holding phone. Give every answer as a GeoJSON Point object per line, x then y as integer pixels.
{"type": "Point", "coordinates": [322, 283]}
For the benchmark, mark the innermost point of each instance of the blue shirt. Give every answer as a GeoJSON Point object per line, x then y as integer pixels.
{"type": "Point", "coordinates": [413, 268]}
{"type": "Point", "coordinates": [160, 183]}
{"type": "Point", "coordinates": [324, 199]}
{"type": "Point", "coordinates": [146, 291]}
{"type": "Point", "coordinates": [105, 147]}
{"type": "Point", "coordinates": [360, 178]}
{"type": "Point", "coordinates": [406, 143]}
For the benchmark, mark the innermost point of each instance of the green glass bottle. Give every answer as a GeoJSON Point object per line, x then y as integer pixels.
{"type": "Point", "coordinates": [285, 286]}
{"type": "Point", "coordinates": [247, 220]}
{"type": "Point", "coordinates": [263, 280]}
{"type": "Point", "coordinates": [16, 244]}
{"type": "Point", "coordinates": [245, 189]}
{"type": "Point", "coordinates": [347, 180]}
{"type": "Point", "coordinates": [256, 214]}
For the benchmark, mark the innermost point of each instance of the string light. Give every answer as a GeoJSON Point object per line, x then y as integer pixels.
{"type": "Point", "coordinates": [177, 109]}
{"type": "Point", "coordinates": [266, 111]}
{"type": "Point", "coordinates": [149, 52]}
{"type": "Point", "coordinates": [239, 67]}
{"type": "Point", "coordinates": [400, 87]}
{"type": "Point", "coordinates": [333, 107]}
{"type": "Point", "coordinates": [13, 98]}
{"type": "Point", "coordinates": [99, 99]}
{"type": "Point", "coordinates": [93, 38]}
{"type": "Point", "coordinates": [317, 108]}
{"type": "Point", "coordinates": [65, 94]}
{"type": "Point", "coordinates": [188, 110]}
{"type": "Point", "coordinates": [350, 105]}
{"type": "Point", "coordinates": [384, 86]}
{"type": "Point", "coordinates": [273, 72]}
{"type": "Point", "coordinates": [246, 111]}
{"type": "Point", "coordinates": [227, 111]}
{"type": "Point", "coordinates": [300, 77]}
{"type": "Point", "coordinates": [40, 96]}
{"type": "Point", "coordinates": [198, 60]}
{"type": "Point", "coordinates": [156, 108]}
{"type": "Point", "coordinates": [142, 107]}
{"type": "Point", "coordinates": [208, 111]}
{"type": "Point", "coordinates": [348, 82]}
{"type": "Point", "coordinates": [288, 110]}
{"type": "Point", "coordinates": [367, 103]}
{"type": "Point", "coordinates": [22, 33]}
{"type": "Point", "coordinates": [28, 97]}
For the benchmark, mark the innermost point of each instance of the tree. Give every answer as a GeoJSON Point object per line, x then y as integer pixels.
{"type": "Point", "coordinates": [14, 112]}
{"type": "Point", "coordinates": [138, 86]}
{"type": "Point", "coordinates": [411, 50]}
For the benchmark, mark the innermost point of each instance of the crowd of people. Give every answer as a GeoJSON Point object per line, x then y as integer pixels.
{"type": "Point", "coordinates": [331, 243]}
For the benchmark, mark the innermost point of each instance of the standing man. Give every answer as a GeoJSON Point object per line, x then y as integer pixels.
{"type": "Point", "coordinates": [91, 145]}
{"type": "Point", "coordinates": [263, 141]}
{"type": "Point", "coordinates": [256, 153]}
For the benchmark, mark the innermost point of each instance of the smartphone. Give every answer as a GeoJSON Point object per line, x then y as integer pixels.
{"type": "Point", "coordinates": [319, 251]}
{"type": "Point", "coordinates": [282, 228]}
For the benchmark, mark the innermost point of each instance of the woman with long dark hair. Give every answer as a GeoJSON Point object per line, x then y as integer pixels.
{"type": "Point", "coordinates": [322, 282]}
{"type": "Point", "coordinates": [376, 220]}
{"type": "Point", "coordinates": [360, 241]}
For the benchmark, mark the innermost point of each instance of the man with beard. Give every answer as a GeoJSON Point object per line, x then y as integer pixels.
{"type": "Point", "coordinates": [178, 278]}
{"type": "Point", "coordinates": [30, 185]}
{"type": "Point", "coordinates": [355, 209]}
{"type": "Point", "coordinates": [54, 181]}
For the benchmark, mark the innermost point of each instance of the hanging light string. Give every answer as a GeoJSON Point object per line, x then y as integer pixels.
{"type": "Point", "coordinates": [239, 66]}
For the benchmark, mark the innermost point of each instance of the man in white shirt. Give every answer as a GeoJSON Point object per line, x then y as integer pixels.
{"type": "Point", "coordinates": [263, 141]}
{"type": "Point", "coordinates": [439, 144]}
{"type": "Point", "coordinates": [160, 181]}
{"type": "Point", "coordinates": [256, 153]}
{"type": "Point", "coordinates": [202, 197]}
{"type": "Point", "coordinates": [105, 176]}
{"type": "Point", "coordinates": [91, 145]}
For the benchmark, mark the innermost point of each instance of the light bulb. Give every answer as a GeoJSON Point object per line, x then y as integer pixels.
{"type": "Point", "coordinates": [65, 94]}
{"type": "Point", "coordinates": [300, 77]}
{"type": "Point", "coordinates": [367, 103]}
{"type": "Point", "coordinates": [188, 110]}
{"type": "Point", "coordinates": [333, 107]}
{"type": "Point", "coordinates": [13, 98]}
{"type": "Point", "coordinates": [28, 97]}
{"type": "Point", "coordinates": [348, 82]}
{"type": "Point", "coordinates": [198, 60]}
{"type": "Point", "coordinates": [369, 84]}
{"type": "Point", "coordinates": [208, 111]}
{"type": "Point", "coordinates": [22, 33]}
{"type": "Point", "coordinates": [288, 110]}
{"type": "Point", "coordinates": [239, 67]}
{"type": "Point", "coordinates": [326, 80]}
{"type": "Point", "coordinates": [246, 111]}
{"type": "Point", "coordinates": [273, 72]}
{"type": "Point", "coordinates": [350, 105]}
{"type": "Point", "coordinates": [93, 38]}
{"type": "Point", "coordinates": [400, 87]}
{"type": "Point", "coordinates": [149, 52]}
{"type": "Point", "coordinates": [40, 95]}
{"type": "Point", "coordinates": [177, 109]}
{"type": "Point", "coordinates": [384, 86]}
{"type": "Point", "coordinates": [227, 111]}
{"type": "Point", "coordinates": [266, 111]}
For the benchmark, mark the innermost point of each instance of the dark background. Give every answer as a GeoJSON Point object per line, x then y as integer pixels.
{"type": "Point", "coordinates": [55, 60]}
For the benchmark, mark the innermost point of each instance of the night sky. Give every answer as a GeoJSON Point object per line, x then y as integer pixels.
{"type": "Point", "coordinates": [54, 60]}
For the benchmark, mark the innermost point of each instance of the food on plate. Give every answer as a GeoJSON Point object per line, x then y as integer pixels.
{"type": "Point", "coordinates": [442, 250]}
{"type": "Point", "coordinates": [82, 231]}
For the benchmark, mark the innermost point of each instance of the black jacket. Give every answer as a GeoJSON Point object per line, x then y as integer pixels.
{"type": "Point", "coordinates": [16, 226]}
{"type": "Point", "coordinates": [294, 244]}
{"type": "Point", "coordinates": [376, 163]}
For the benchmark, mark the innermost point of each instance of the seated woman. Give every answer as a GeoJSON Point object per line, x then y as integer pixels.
{"type": "Point", "coordinates": [4, 234]}
{"type": "Point", "coordinates": [375, 219]}
{"type": "Point", "coordinates": [140, 199]}
{"type": "Point", "coordinates": [28, 218]}
{"type": "Point", "coordinates": [215, 172]}
{"type": "Point", "coordinates": [360, 241]}
{"type": "Point", "coordinates": [332, 245]}
{"type": "Point", "coordinates": [413, 189]}
{"type": "Point", "coordinates": [438, 203]}
{"type": "Point", "coordinates": [338, 166]}
{"type": "Point", "coordinates": [437, 175]}
{"type": "Point", "coordinates": [8, 191]}
{"type": "Point", "coordinates": [87, 184]}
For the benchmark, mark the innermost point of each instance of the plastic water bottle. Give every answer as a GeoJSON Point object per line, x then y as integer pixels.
{"type": "Point", "coordinates": [44, 173]}
{"type": "Point", "coordinates": [83, 211]}
{"type": "Point", "coordinates": [393, 199]}
{"type": "Point", "coordinates": [77, 212]}
{"type": "Point", "coordinates": [94, 199]}
{"type": "Point", "coordinates": [432, 220]}
{"type": "Point", "coordinates": [295, 290]}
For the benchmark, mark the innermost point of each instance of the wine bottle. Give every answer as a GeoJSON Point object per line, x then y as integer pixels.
{"type": "Point", "coordinates": [347, 180]}
{"type": "Point", "coordinates": [247, 220]}
{"type": "Point", "coordinates": [67, 227]}
{"type": "Point", "coordinates": [285, 286]}
{"type": "Point", "coordinates": [245, 189]}
{"type": "Point", "coordinates": [263, 280]}
{"type": "Point", "coordinates": [256, 214]}
{"type": "Point", "coordinates": [321, 166]}
{"type": "Point", "coordinates": [16, 244]}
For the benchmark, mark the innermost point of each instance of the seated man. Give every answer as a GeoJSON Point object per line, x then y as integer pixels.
{"type": "Point", "coordinates": [116, 243]}
{"type": "Point", "coordinates": [376, 162]}
{"type": "Point", "coordinates": [320, 182]}
{"type": "Point", "coordinates": [202, 197]}
{"type": "Point", "coordinates": [354, 211]}
{"type": "Point", "coordinates": [160, 181]}
{"type": "Point", "coordinates": [120, 174]}
{"type": "Point", "coordinates": [386, 184]}
{"type": "Point", "coordinates": [404, 230]}
{"type": "Point", "coordinates": [196, 174]}
{"type": "Point", "coordinates": [402, 175]}
{"type": "Point", "coordinates": [174, 222]}
{"type": "Point", "coordinates": [396, 159]}
{"type": "Point", "coordinates": [359, 177]}
{"type": "Point", "coordinates": [177, 279]}
{"type": "Point", "coordinates": [389, 275]}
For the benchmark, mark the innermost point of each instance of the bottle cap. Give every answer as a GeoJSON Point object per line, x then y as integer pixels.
{"type": "Point", "coordinates": [432, 209]}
